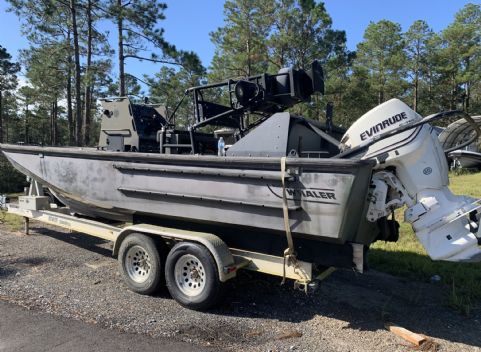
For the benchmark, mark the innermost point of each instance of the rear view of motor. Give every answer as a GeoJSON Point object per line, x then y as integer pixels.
{"type": "Point", "coordinates": [412, 171]}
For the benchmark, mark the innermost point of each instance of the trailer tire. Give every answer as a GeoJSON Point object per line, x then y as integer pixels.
{"type": "Point", "coordinates": [141, 264]}
{"type": "Point", "coordinates": [192, 277]}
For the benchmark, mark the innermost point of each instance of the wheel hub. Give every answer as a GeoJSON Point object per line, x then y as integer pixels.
{"type": "Point", "coordinates": [190, 275]}
{"type": "Point", "coordinates": [137, 264]}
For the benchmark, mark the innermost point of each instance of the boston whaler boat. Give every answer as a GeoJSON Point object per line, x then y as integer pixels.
{"type": "Point", "coordinates": [284, 181]}
{"type": "Point", "coordinates": [457, 133]}
{"type": "Point", "coordinates": [465, 159]}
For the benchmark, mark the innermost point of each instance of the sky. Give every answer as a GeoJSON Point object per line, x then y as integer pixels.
{"type": "Point", "coordinates": [189, 22]}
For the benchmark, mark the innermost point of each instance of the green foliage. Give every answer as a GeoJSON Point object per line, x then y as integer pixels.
{"type": "Point", "coordinates": [8, 70]}
{"type": "Point", "coordinates": [382, 55]}
{"type": "Point", "coordinates": [45, 72]}
{"type": "Point", "coordinates": [417, 40]}
{"type": "Point", "coordinates": [11, 181]}
{"type": "Point", "coordinates": [13, 222]}
{"type": "Point", "coordinates": [8, 82]}
{"type": "Point", "coordinates": [431, 71]}
{"type": "Point", "coordinates": [169, 85]}
{"type": "Point", "coordinates": [140, 19]}
{"type": "Point", "coordinates": [461, 55]}
{"type": "Point", "coordinates": [265, 36]}
{"type": "Point", "coordinates": [353, 96]}
{"type": "Point", "coordinates": [241, 48]}
{"type": "Point", "coordinates": [138, 34]}
{"type": "Point", "coordinates": [50, 65]}
{"type": "Point", "coordinates": [301, 34]}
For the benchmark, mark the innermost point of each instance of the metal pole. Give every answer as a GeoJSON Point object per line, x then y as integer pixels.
{"type": "Point", "coordinates": [26, 227]}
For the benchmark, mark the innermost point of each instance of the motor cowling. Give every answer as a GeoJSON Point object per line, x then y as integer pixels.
{"type": "Point", "coordinates": [412, 171]}
{"type": "Point", "coordinates": [383, 118]}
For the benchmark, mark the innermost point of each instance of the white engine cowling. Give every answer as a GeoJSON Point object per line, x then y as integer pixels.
{"type": "Point", "coordinates": [383, 118]}
{"type": "Point", "coordinates": [412, 170]}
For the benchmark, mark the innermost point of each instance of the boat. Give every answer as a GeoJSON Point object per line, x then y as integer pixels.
{"type": "Point", "coordinates": [453, 139]}
{"type": "Point", "coordinates": [458, 132]}
{"type": "Point", "coordinates": [220, 193]}
{"type": "Point", "coordinates": [334, 189]}
{"type": "Point", "coordinates": [465, 159]}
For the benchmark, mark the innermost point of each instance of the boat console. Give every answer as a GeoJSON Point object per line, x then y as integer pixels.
{"type": "Point", "coordinates": [251, 119]}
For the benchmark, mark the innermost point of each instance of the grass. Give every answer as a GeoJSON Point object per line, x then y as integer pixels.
{"type": "Point", "coordinates": [460, 281]}
{"type": "Point", "coordinates": [13, 222]}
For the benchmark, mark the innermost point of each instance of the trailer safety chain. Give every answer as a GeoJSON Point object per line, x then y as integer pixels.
{"type": "Point", "coordinates": [289, 253]}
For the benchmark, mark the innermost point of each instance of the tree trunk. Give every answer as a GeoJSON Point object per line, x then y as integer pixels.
{"type": "Point", "coordinates": [121, 49]}
{"type": "Point", "coordinates": [6, 126]}
{"type": "Point", "coordinates": [78, 102]}
{"type": "Point", "coordinates": [430, 87]}
{"type": "Point", "coordinates": [26, 121]}
{"type": "Point", "coordinates": [416, 87]}
{"type": "Point", "coordinates": [380, 93]}
{"type": "Point", "coordinates": [69, 95]}
{"type": "Point", "coordinates": [468, 97]}
{"type": "Point", "coordinates": [53, 123]}
{"type": "Point", "coordinates": [55, 126]}
{"type": "Point", "coordinates": [86, 122]}
{"type": "Point", "coordinates": [468, 88]}
{"type": "Point", "coordinates": [416, 75]}
{"type": "Point", "coordinates": [453, 91]}
{"type": "Point", "coordinates": [248, 48]}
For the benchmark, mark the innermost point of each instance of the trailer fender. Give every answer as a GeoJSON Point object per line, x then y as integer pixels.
{"type": "Point", "coordinates": [219, 250]}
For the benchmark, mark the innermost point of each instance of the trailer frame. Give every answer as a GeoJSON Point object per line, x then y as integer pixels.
{"type": "Point", "coordinates": [228, 260]}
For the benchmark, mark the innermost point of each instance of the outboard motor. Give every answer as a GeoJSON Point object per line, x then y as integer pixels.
{"type": "Point", "coordinates": [412, 171]}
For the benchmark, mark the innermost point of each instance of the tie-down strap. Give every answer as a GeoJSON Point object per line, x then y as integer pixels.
{"type": "Point", "coordinates": [289, 253]}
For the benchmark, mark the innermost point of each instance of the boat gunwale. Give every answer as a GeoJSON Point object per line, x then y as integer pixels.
{"type": "Point", "coordinates": [225, 161]}
{"type": "Point", "coordinates": [459, 152]}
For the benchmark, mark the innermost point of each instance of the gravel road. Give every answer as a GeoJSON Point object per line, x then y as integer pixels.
{"type": "Point", "coordinates": [74, 276]}
{"type": "Point", "coordinates": [23, 330]}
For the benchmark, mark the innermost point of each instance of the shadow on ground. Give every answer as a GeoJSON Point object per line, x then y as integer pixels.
{"type": "Point", "coordinates": [366, 302]}
{"type": "Point", "coordinates": [10, 267]}
{"type": "Point", "coordinates": [94, 244]}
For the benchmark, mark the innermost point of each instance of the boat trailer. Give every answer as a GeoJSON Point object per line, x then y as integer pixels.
{"type": "Point", "coordinates": [226, 261]}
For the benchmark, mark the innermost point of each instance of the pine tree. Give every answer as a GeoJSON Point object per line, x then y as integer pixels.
{"type": "Point", "coordinates": [301, 34]}
{"type": "Point", "coordinates": [382, 54]}
{"type": "Point", "coordinates": [434, 95]}
{"type": "Point", "coordinates": [241, 47]}
{"type": "Point", "coordinates": [357, 98]}
{"type": "Point", "coordinates": [48, 23]}
{"type": "Point", "coordinates": [8, 82]}
{"type": "Point", "coordinates": [462, 54]}
{"type": "Point", "coordinates": [60, 24]}
{"type": "Point", "coordinates": [417, 40]}
{"type": "Point", "coordinates": [138, 32]}
{"type": "Point", "coordinates": [46, 75]}
{"type": "Point", "coordinates": [168, 87]}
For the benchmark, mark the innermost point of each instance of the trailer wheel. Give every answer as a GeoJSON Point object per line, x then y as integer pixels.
{"type": "Point", "coordinates": [192, 277]}
{"type": "Point", "coordinates": [140, 264]}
